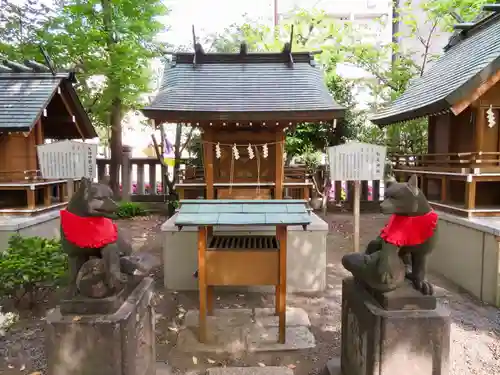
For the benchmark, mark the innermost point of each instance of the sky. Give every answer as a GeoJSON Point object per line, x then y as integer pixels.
{"type": "Point", "coordinates": [210, 16]}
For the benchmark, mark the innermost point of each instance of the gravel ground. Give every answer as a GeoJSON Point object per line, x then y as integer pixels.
{"type": "Point", "coordinates": [475, 331]}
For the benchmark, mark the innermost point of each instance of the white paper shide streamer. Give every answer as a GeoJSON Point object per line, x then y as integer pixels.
{"type": "Point", "coordinates": [217, 151]}
{"type": "Point", "coordinates": [250, 152]}
{"type": "Point", "coordinates": [236, 153]}
{"type": "Point", "coordinates": [490, 116]}
{"type": "Point", "coordinates": [265, 151]}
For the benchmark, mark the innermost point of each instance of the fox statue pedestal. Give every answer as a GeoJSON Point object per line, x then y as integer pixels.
{"type": "Point", "coordinates": [410, 335]}
{"type": "Point", "coordinates": [118, 343]}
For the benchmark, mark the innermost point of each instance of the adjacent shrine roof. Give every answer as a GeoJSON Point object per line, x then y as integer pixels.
{"type": "Point", "coordinates": [243, 86]}
{"type": "Point", "coordinates": [471, 58]}
{"type": "Point", "coordinates": [25, 93]}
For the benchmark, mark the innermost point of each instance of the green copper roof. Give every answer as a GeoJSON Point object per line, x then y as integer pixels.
{"type": "Point", "coordinates": [242, 212]}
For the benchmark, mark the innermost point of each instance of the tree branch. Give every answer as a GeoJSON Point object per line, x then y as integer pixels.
{"type": "Point", "coordinates": [188, 139]}
{"type": "Point", "coordinates": [427, 46]}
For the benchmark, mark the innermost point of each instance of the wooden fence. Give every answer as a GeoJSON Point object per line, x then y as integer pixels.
{"type": "Point", "coordinates": [144, 178]}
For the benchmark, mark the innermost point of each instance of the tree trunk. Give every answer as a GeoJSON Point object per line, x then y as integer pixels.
{"type": "Point", "coordinates": [116, 146]}
{"type": "Point", "coordinates": [115, 117]}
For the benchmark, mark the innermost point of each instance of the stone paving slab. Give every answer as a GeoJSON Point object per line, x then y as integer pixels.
{"type": "Point", "coordinates": [238, 317]}
{"type": "Point", "coordinates": [270, 370]}
{"type": "Point", "coordinates": [246, 338]}
{"type": "Point", "coordinates": [225, 317]}
{"type": "Point", "coordinates": [265, 339]}
{"type": "Point", "coordinates": [239, 330]}
{"type": "Point", "coordinates": [294, 317]}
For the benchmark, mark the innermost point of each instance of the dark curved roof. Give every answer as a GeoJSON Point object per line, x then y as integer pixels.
{"type": "Point", "coordinates": [468, 62]}
{"type": "Point", "coordinates": [237, 87]}
{"type": "Point", "coordinates": [25, 92]}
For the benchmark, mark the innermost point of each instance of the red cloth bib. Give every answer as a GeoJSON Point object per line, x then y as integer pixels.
{"type": "Point", "coordinates": [409, 230]}
{"type": "Point", "coordinates": [88, 232]}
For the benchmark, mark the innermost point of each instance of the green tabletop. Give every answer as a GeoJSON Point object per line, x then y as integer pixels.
{"type": "Point", "coordinates": [243, 212]}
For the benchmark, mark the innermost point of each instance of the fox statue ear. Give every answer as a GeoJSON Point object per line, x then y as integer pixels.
{"type": "Point", "coordinates": [413, 184]}
{"type": "Point", "coordinates": [389, 181]}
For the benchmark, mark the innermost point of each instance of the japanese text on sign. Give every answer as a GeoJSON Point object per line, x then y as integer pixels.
{"type": "Point", "coordinates": [356, 161]}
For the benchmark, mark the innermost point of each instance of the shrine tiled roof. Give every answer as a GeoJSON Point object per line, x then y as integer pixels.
{"type": "Point", "coordinates": [470, 59]}
{"type": "Point", "coordinates": [229, 86]}
{"type": "Point", "coordinates": [243, 212]}
{"type": "Point", "coordinates": [27, 89]}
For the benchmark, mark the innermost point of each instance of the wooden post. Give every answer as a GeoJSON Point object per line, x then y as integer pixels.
{"type": "Point", "coordinates": [470, 194]}
{"type": "Point", "coordinates": [479, 128]}
{"type": "Point", "coordinates": [31, 198]}
{"type": "Point", "coordinates": [126, 173]}
{"type": "Point", "coordinates": [101, 170]}
{"type": "Point", "coordinates": [282, 237]}
{"type": "Point", "coordinates": [47, 195]}
{"type": "Point", "coordinates": [279, 170]}
{"type": "Point", "coordinates": [140, 178]}
{"type": "Point", "coordinates": [152, 178]}
{"type": "Point", "coordinates": [355, 210]}
{"type": "Point", "coordinates": [444, 190]}
{"type": "Point", "coordinates": [202, 283]}
{"type": "Point", "coordinates": [70, 188]}
{"type": "Point", "coordinates": [208, 150]}
{"type": "Point", "coordinates": [376, 190]}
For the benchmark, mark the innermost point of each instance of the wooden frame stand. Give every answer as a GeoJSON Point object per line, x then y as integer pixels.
{"type": "Point", "coordinates": [263, 262]}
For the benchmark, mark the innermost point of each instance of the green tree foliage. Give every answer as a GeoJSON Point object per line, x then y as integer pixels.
{"type": "Point", "coordinates": [424, 24]}
{"type": "Point", "coordinates": [109, 43]}
{"type": "Point", "coordinates": [22, 27]}
{"type": "Point", "coordinates": [113, 41]}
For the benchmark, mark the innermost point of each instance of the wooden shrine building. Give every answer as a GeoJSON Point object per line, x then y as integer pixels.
{"type": "Point", "coordinates": [243, 102]}
{"type": "Point", "coordinates": [36, 104]}
{"type": "Point", "coordinates": [460, 96]}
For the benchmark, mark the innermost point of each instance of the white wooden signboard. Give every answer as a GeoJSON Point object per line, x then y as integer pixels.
{"type": "Point", "coordinates": [356, 161]}
{"type": "Point", "coordinates": [67, 160]}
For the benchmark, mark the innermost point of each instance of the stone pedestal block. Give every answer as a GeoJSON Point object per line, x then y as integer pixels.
{"type": "Point", "coordinates": [413, 340]}
{"type": "Point", "coordinates": [121, 343]}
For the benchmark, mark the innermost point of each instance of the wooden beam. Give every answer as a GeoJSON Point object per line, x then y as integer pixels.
{"type": "Point", "coordinates": [282, 237]}
{"type": "Point", "coordinates": [68, 108]}
{"type": "Point", "coordinates": [202, 285]}
{"type": "Point", "coordinates": [488, 84]}
{"type": "Point", "coordinates": [208, 151]}
{"type": "Point", "coordinates": [279, 148]}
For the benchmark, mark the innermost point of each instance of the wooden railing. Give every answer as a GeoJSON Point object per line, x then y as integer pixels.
{"type": "Point", "coordinates": [145, 176]}
{"type": "Point", "coordinates": [460, 160]}
{"type": "Point", "coordinates": [146, 184]}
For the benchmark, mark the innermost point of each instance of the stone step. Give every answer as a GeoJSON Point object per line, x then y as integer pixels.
{"type": "Point", "coordinates": [270, 370]}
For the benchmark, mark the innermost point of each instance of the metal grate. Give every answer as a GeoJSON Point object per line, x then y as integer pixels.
{"type": "Point", "coordinates": [244, 242]}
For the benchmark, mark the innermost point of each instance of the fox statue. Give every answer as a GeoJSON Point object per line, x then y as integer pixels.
{"type": "Point", "coordinates": [401, 250]}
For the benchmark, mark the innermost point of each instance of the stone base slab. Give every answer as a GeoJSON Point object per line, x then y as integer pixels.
{"type": "Point", "coordinates": [116, 344]}
{"type": "Point", "coordinates": [376, 341]}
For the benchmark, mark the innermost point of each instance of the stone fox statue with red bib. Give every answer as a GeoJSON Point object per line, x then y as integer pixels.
{"type": "Point", "coordinates": [404, 244]}
{"type": "Point", "coordinates": [89, 233]}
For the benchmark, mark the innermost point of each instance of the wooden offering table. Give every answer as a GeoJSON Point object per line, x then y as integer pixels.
{"type": "Point", "coordinates": [247, 260]}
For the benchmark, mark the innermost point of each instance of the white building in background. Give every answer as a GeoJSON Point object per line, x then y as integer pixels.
{"type": "Point", "coordinates": [373, 18]}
